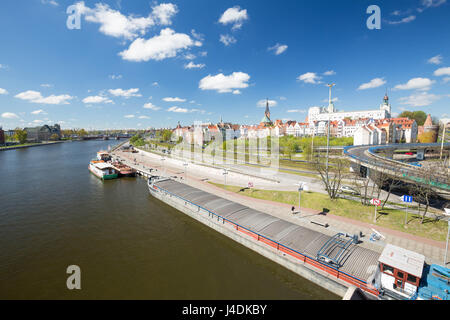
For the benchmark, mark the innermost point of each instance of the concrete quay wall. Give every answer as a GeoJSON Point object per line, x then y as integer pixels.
{"type": "Point", "coordinates": [322, 279]}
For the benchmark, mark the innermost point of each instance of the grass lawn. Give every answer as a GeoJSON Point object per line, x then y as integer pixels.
{"type": "Point", "coordinates": [389, 218]}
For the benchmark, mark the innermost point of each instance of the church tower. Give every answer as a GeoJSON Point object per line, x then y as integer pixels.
{"type": "Point", "coordinates": [386, 105]}
{"type": "Point", "coordinates": [267, 113]}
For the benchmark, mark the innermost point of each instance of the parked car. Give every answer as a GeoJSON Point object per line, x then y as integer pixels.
{"type": "Point", "coordinates": [347, 189]}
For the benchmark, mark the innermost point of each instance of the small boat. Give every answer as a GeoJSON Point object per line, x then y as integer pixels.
{"type": "Point", "coordinates": [103, 156]}
{"type": "Point", "coordinates": [124, 170]}
{"type": "Point", "coordinates": [103, 170]}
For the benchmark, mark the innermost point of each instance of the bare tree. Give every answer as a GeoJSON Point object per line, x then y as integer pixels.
{"type": "Point", "coordinates": [332, 175]}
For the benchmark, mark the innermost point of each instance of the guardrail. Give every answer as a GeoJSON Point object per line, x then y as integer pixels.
{"type": "Point", "coordinates": [348, 278]}
{"type": "Point", "coordinates": [435, 181]}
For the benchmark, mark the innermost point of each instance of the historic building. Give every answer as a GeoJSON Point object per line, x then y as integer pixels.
{"type": "Point", "coordinates": [43, 133]}
{"type": "Point", "coordinates": [2, 136]}
{"type": "Point", "coordinates": [428, 126]}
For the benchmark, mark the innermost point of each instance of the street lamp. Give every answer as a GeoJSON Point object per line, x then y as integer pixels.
{"type": "Point", "coordinates": [447, 213]}
{"type": "Point", "coordinates": [225, 172]}
{"type": "Point", "coordinates": [185, 170]}
{"type": "Point", "coordinates": [162, 164]}
{"type": "Point", "coordinates": [301, 186]}
{"type": "Point", "coordinates": [444, 130]}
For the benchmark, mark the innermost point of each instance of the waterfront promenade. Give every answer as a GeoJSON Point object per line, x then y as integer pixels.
{"type": "Point", "coordinates": [198, 176]}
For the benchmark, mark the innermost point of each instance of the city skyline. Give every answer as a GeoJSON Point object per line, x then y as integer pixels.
{"type": "Point", "coordinates": [152, 64]}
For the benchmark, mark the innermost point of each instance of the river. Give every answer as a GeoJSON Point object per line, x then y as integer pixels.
{"type": "Point", "coordinates": [55, 213]}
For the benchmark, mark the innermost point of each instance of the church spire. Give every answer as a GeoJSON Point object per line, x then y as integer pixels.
{"type": "Point", "coordinates": [267, 113]}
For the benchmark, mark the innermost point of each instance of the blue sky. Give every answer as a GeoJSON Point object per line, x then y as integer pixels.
{"type": "Point", "coordinates": [139, 64]}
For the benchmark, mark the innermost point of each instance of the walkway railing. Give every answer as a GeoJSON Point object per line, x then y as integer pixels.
{"type": "Point", "coordinates": [335, 272]}
{"type": "Point", "coordinates": [434, 180]}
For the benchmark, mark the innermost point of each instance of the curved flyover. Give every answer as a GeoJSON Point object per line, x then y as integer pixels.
{"type": "Point", "coordinates": [369, 157]}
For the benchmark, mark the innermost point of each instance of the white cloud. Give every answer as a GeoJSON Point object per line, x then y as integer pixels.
{"type": "Point", "coordinates": [374, 83]}
{"type": "Point", "coordinates": [223, 84]}
{"type": "Point", "coordinates": [329, 73]}
{"type": "Point", "coordinates": [125, 93]}
{"type": "Point", "coordinates": [435, 60]}
{"type": "Point", "coordinates": [51, 2]}
{"type": "Point", "coordinates": [9, 115]}
{"type": "Point", "coordinates": [236, 92]}
{"type": "Point", "coordinates": [164, 12]}
{"type": "Point", "coordinates": [3, 91]}
{"type": "Point", "coordinates": [40, 111]}
{"type": "Point", "coordinates": [178, 110]}
{"type": "Point", "coordinates": [151, 106]}
{"type": "Point", "coordinates": [190, 56]}
{"type": "Point", "coordinates": [192, 65]}
{"type": "Point", "coordinates": [262, 103]}
{"type": "Point", "coordinates": [421, 99]}
{"type": "Point", "coordinates": [446, 79]}
{"type": "Point", "coordinates": [115, 77]}
{"type": "Point", "coordinates": [226, 39]}
{"type": "Point", "coordinates": [416, 83]}
{"type": "Point", "coordinates": [115, 24]}
{"type": "Point", "coordinates": [234, 16]}
{"type": "Point", "coordinates": [144, 117]}
{"type": "Point", "coordinates": [278, 48]}
{"type": "Point", "coordinates": [442, 72]}
{"type": "Point", "coordinates": [155, 84]}
{"type": "Point", "coordinates": [129, 116]}
{"type": "Point", "coordinates": [46, 85]}
{"type": "Point", "coordinates": [432, 3]}
{"type": "Point", "coordinates": [36, 97]}
{"type": "Point", "coordinates": [309, 77]}
{"type": "Point", "coordinates": [37, 121]}
{"type": "Point", "coordinates": [169, 99]}
{"type": "Point", "coordinates": [166, 45]}
{"type": "Point", "coordinates": [97, 99]}
{"type": "Point", "coordinates": [404, 20]}
{"type": "Point", "coordinates": [296, 111]}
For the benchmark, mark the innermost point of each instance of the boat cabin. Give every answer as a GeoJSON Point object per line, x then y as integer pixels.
{"type": "Point", "coordinates": [103, 156]}
{"type": "Point", "coordinates": [401, 270]}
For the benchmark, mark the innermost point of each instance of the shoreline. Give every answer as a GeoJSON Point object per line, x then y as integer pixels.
{"type": "Point", "coordinates": [31, 145]}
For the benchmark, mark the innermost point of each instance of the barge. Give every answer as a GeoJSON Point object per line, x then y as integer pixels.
{"type": "Point", "coordinates": [334, 262]}
{"type": "Point", "coordinates": [103, 170]}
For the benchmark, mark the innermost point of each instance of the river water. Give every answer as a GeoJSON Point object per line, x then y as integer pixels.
{"type": "Point", "coordinates": [55, 213]}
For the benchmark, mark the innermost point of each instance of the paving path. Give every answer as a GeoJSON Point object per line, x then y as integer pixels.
{"type": "Point", "coordinates": [198, 176]}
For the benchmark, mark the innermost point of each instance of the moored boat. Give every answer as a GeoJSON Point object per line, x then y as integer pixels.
{"type": "Point", "coordinates": [124, 170]}
{"type": "Point", "coordinates": [103, 170]}
{"type": "Point", "coordinates": [103, 156]}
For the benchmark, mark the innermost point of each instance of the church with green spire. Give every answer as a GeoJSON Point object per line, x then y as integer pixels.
{"type": "Point", "coordinates": [266, 120]}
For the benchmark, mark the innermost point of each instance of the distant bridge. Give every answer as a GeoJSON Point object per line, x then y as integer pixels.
{"type": "Point", "coordinates": [369, 157]}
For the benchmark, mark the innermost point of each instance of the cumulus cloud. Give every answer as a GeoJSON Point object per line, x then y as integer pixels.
{"type": "Point", "coordinates": [165, 45]}
{"type": "Point", "coordinates": [278, 49]}
{"type": "Point", "coordinates": [374, 83]}
{"type": "Point", "coordinates": [329, 73]}
{"type": "Point", "coordinates": [192, 65]}
{"type": "Point", "coordinates": [178, 110]}
{"type": "Point", "coordinates": [176, 99]}
{"type": "Point", "coordinates": [416, 83]}
{"type": "Point", "coordinates": [309, 77]}
{"type": "Point", "coordinates": [129, 116]}
{"type": "Point", "coordinates": [3, 91]}
{"type": "Point", "coordinates": [36, 97]}
{"type": "Point", "coordinates": [435, 60]}
{"type": "Point", "coordinates": [144, 117]}
{"type": "Point", "coordinates": [115, 24]}
{"type": "Point", "coordinates": [151, 106]}
{"type": "Point", "coordinates": [404, 20]}
{"type": "Point", "coordinates": [442, 72]}
{"type": "Point", "coordinates": [9, 115]}
{"type": "Point", "coordinates": [227, 40]}
{"type": "Point", "coordinates": [40, 111]}
{"type": "Point", "coordinates": [421, 99]}
{"type": "Point", "coordinates": [115, 77]}
{"type": "Point", "coordinates": [222, 83]}
{"type": "Point", "coordinates": [234, 16]}
{"type": "Point", "coordinates": [296, 111]}
{"type": "Point", "coordinates": [97, 99]}
{"type": "Point", "coordinates": [262, 103]}
{"type": "Point", "coordinates": [125, 93]}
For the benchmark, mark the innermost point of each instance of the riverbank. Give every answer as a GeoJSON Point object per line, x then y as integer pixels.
{"type": "Point", "coordinates": [29, 145]}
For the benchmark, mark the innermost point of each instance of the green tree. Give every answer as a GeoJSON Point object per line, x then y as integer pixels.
{"type": "Point", "coordinates": [419, 116]}
{"type": "Point", "coordinates": [166, 135]}
{"type": "Point", "coordinates": [20, 135]}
